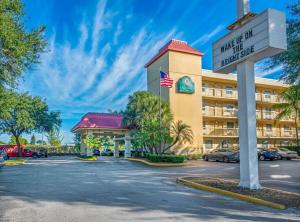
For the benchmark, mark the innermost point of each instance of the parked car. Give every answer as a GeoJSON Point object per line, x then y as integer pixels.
{"type": "Point", "coordinates": [96, 152]}
{"type": "Point", "coordinates": [12, 151]}
{"type": "Point", "coordinates": [285, 153]}
{"type": "Point", "coordinates": [2, 158]}
{"type": "Point", "coordinates": [121, 152]}
{"type": "Point", "coordinates": [42, 152]}
{"type": "Point", "coordinates": [107, 152]}
{"type": "Point", "coordinates": [4, 155]}
{"type": "Point", "coordinates": [264, 154]}
{"type": "Point", "coordinates": [223, 155]}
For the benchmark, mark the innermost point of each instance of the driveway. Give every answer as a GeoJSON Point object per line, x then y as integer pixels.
{"type": "Point", "coordinates": [65, 189]}
{"type": "Point", "coordinates": [280, 174]}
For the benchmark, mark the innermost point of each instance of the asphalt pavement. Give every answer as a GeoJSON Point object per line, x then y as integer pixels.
{"type": "Point", "coordinates": [66, 189]}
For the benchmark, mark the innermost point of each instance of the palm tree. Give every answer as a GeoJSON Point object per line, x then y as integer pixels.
{"type": "Point", "coordinates": [180, 132]}
{"type": "Point", "coordinates": [290, 106]}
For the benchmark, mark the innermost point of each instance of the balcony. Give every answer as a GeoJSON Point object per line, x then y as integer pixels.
{"type": "Point", "coordinates": [276, 133]}
{"type": "Point", "coordinates": [209, 111]}
{"type": "Point", "coordinates": [220, 93]}
{"type": "Point", "coordinates": [233, 95]}
{"type": "Point", "coordinates": [220, 132]}
{"type": "Point", "coordinates": [261, 133]}
{"type": "Point", "coordinates": [261, 97]}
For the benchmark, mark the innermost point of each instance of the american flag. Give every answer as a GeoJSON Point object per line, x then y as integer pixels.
{"type": "Point", "coordinates": [165, 80]}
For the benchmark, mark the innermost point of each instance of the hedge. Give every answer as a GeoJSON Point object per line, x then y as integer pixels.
{"type": "Point", "coordinates": [168, 158]}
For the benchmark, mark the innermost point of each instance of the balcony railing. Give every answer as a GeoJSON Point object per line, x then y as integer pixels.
{"type": "Point", "coordinates": [219, 112]}
{"type": "Point", "coordinates": [221, 132]}
{"type": "Point", "coordinates": [233, 94]}
{"type": "Point", "coordinates": [276, 133]}
{"type": "Point", "coordinates": [220, 93]}
{"type": "Point", "coordinates": [234, 132]}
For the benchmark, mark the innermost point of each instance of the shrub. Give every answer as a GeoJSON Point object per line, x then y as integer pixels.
{"type": "Point", "coordinates": [169, 158]}
{"type": "Point", "coordinates": [193, 156]}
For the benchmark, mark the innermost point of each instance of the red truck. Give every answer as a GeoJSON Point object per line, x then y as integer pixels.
{"type": "Point", "coordinates": [12, 151]}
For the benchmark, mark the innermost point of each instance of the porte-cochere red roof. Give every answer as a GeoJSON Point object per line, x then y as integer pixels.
{"type": "Point", "coordinates": [99, 121]}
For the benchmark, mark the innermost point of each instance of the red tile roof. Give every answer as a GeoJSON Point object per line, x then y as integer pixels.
{"type": "Point", "coordinates": [99, 121]}
{"type": "Point", "coordinates": [177, 46]}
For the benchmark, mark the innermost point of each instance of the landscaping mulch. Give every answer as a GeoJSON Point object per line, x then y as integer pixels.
{"type": "Point", "coordinates": [268, 194]}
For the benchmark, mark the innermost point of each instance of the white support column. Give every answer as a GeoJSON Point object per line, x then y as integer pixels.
{"type": "Point", "coordinates": [243, 7]}
{"type": "Point", "coordinates": [82, 145]}
{"type": "Point", "coordinates": [116, 149]}
{"type": "Point", "coordinates": [127, 146]}
{"type": "Point", "coordinates": [247, 126]}
{"type": "Point", "coordinates": [89, 151]}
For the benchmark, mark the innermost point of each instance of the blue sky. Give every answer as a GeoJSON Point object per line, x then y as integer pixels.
{"type": "Point", "coordinates": [97, 49]}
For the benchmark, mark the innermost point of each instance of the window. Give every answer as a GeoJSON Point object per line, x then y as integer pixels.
{"type": "Point", "coordinates": [226, 144]}
{"type": "Point", "coordinates": [230, 125]}
{"type": "Point", "coordinates": [208, 144]}
{"type": "Point", "coordinates": [229, 110]}
{"type": "Point", "coordinates": [204, 125]}
{"type": "Point", "coordinates": [268, 113]}
{"type": "Point", "coordinates": [229, 90]}
{"type": "Point", "coordinates": [286, 128]}
{"type": "Point", "coordinates": [267, 94]}
{"type": "Point", "coordinates": [203, 87]}
{"type": "Point", "coordinates": [265, 144]}
{"type": "Point", "coordinates": [269, 127]}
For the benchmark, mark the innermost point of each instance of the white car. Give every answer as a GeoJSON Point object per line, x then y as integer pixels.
{"type": "Point", "coordinates": [287, 154]}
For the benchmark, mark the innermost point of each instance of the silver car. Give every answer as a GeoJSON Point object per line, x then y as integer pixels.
{"type": "Point", "coordinates": [1, 159]}
{"type": "Point", "coordinates": [287, 154]}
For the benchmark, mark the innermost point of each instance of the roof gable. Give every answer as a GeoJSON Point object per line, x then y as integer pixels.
{"type": "Point", "coordinates": [100, 121]}
{"type": "Point", "coordinates": [177, 46]}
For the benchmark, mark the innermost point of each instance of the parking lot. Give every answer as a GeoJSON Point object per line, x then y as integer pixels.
{"type": "Point", "coordinates": [66, 189]}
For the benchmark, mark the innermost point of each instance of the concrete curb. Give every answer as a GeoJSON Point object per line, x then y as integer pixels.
{"type": "Point", "coordinates": [14, 163]}
{"type": "Point", "coordinates": [78, 158]}
{"type": "Point", "coordinates": [158, 164]}
{"type": "Point", "coordinates": [231, 194]}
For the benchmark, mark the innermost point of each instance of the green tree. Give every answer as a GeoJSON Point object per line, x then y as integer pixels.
{"type": "Point", "coordinates": [290, 107]}
{"type": "Point", "coordinates": [181, 133]}
{"type": "Point", "coordinates": [54, 137]}
{"type": "Point", "coordinates": [290, 59]}
{"type": "Point", "coordinates": [32, 140]}
{"type": "Point", "coordinates": [91, 142]}
{"type": "Point", "coordinates": [22, 140]}
{"type": "Point", "coordinates": [41, 142]}
{"type": "Point", "coordinates": [19, 48]}
{"type": "Point", "coordinates": [77, 141]}
{"type": "Point", "coordinates": [22, 113]}
{"type": "Point", "coordinates": [144, 106]}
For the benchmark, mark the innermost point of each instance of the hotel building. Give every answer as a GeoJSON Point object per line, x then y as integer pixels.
{"type": "Point", "coordinates": [207, 101]}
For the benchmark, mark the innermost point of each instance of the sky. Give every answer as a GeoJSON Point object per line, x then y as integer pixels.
{"type": "Point", "coordinates": [97, 49]}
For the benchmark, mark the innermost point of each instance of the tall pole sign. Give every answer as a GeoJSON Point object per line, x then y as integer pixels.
{"type": "Point", "coordinates": [252, 38]}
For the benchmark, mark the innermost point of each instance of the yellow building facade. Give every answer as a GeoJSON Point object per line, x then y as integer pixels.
{"type": "Point", "coordinates": [207, 101]}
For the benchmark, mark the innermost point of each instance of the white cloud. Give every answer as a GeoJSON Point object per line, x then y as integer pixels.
{"type": "Point", "coordinates": [260, 72]}
{"type": "Point", "coordinates": [208, 36]}
{"type": "Point", "coordinates": [96, 72]}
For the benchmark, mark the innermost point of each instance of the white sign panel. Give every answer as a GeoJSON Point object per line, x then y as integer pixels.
{"type": "Point", "coordinates": [263, 36]}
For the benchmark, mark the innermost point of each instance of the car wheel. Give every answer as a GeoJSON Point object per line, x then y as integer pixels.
{"type": "Point", "coordinates": [226, 159]}
{"type": "Point", "coordinates": [280, 158]}
{"type": "Point", "coordinates": [261, 157]}
{"type": "Point", "coordinates": [288, 158]}
{"type": "Point", "coordinates": [271, 159]}
{"type": "Point", "coordinates": [206, 158]}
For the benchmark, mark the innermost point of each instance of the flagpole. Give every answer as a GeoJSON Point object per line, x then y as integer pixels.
{"type": "Point", "coordinates": [159, 105]}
